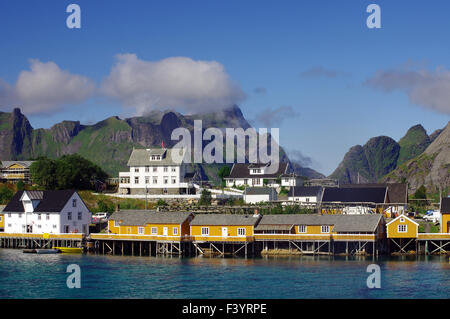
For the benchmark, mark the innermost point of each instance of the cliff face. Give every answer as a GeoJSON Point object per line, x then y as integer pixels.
{"type": "Point", "coordinates": [368, 163]}
{"type": "Point", "coordinates": [109, 143]}
{"type": "Point", "coordinates": [431, 168]}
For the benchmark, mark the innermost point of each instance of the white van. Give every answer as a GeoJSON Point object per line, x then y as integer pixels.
{"type": "Point", "coordinates": [432, 216]}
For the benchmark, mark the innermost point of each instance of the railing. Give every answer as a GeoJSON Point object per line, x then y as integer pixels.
{"type": "Point", "coordinates": [315, 236]}
{"type": "Point", "coordinates": [140, 237]}
{"type": "Point", "coordinates": [292, 236]}
{"type": "Point", "coordinates": [442, 236]}
{"type": "Point", "coordinates": [223, 238]}
{"type": "Point", "coordinates": [76, 236]}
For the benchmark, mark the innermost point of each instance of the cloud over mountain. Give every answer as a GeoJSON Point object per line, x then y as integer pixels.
{"type": "Point", "coordinates": [45, 88]}
{"type": "Point", "coordinates": [275, 117]}
{"type": "Point", "coordinates": [430, 89]}
{"type": "Point", "coordinates": [177, 82]}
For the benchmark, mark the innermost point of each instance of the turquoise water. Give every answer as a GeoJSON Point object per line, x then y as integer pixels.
{"type": "Point", "coordinates": [44, 276]}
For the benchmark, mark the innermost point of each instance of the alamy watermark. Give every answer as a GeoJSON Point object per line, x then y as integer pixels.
{"type": "Point", "coordinates": [262, 148]}
{"type": "Point", "coordinates": [374, 279]}
{"type": "Point", "coordinates": [74, 279]}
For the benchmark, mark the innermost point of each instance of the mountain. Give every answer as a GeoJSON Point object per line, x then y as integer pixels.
{"type": "Point", "coordinates": [368, 163]}
{"type": "Point", "coordinates": [431, 168]}
{"type": "Point", "coordinates": [413, 143]}
{"type": "Point", "coordinates": [110, 142]}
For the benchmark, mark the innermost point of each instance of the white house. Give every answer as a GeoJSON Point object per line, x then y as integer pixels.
{"type": "Point", "coordinates": [256, 175]}
{"type": "Point", "coordinates": [53, 212]}
{"type": "Point", "coordinates": [305, 195]}
{"type": "Point", "coordinates": [153, 171]}
{"type": "Point", "coordinates": [253, 195]}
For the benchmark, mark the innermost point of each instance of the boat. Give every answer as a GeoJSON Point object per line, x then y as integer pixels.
{"type": "Point", "coordinates": [69, 250]}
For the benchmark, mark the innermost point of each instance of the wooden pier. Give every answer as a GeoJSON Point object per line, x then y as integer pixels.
{"type": "Point", "coordinates": [29, 241]}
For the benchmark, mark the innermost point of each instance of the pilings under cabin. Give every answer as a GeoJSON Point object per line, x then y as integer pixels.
{"type": "Point", "coordinates": [31, 241]}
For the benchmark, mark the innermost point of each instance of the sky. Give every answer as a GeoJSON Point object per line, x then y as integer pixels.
{"type": "Point", "coordinates": [313, 69]}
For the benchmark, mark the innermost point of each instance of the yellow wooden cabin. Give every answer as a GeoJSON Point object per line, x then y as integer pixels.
{"type": "Point", "coordinates": [320, 227]}
{"type": "Point", "coordinates": [2, 219]}
{"type": "Point", "coordinates": [402, 227]}
{"type": "Point", "coordinates": [445, 215]}
{"type": "Point", "coordinates": [151, 225]}
{"type": "Point", "coordinates": [14, 171]}
{"type": "Point", "coordinates": [223, 228]}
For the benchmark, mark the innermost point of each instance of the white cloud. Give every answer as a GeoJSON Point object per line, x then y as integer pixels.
{"type": "Point", "coordinates": [430, 89]}
{"type": "Point", "coordinates": [177, 82]}
{"type": "Point", "coordinates": [273, 117]}
{"type": "Point", "coordinates": [45, 88]}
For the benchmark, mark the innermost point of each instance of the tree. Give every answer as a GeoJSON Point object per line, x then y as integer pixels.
{"type": "Point", "coordinates": [66, 172]}
{"type": "Point", "coordinates": [5, 194]}
{"type": "Point", "coordinates": [20, 185]}
{"type": "Point", "coordinates": [205, 198]}
{"type": "Point", "coordinates": [224, 171]}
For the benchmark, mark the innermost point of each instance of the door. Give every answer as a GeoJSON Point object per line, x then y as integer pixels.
{"type": "Point", "coordinates": [29, 228]}
{"type": "Point", "coordinates": [224, 231]}
{"type": "Point", "coordinates": [165, 231]}
{"type": "Point", "coordinates": [66, 229]}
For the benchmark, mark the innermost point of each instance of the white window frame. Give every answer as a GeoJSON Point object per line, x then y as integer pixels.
{"type": "Point", "coordinates": [402, 226]}
{"type": "Point", "coordinates": [69, 215]}
{"type": "Point", "coordinates": [325, 227]}
{"type": "Point", "coordinates": [175, 231]}
{"type": "Point", "coordinates": [80, 215]}
{"type": "Point", "coordinates": [205, 231]}
{"type": "Point", "coordinates": [141, 230]}
{"type": "Point", "coordinates": [74, 202]}
{"type": "Point", "coordinates": [241, 232]}
{"type": "Point", "coordinates": [302, 229]}
{"type": "Point", "coordinates": [154, 230]}
{"type": "Point", "coordinates": [116, 223]}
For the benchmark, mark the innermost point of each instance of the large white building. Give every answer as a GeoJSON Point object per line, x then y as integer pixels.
{"type": "Point", "coordinates": [52, 212]}
{"type": "Point", "coordinates": [256, 175]}
{"type": "Point", "coordinates": [154, 172]}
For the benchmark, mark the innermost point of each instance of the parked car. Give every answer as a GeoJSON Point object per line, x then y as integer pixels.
{"type": "Point", "coordinates": [432, 216]}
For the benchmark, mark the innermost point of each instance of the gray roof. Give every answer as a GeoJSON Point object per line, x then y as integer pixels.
{"type": "Point", "coordinates": [5, 164]}
{"type": "Point", "coordinates": [342, 223]}
{"type": "Point", "coordinates": [143, 217]}
{"type": "Point", "coordinates": [141, 157]}
{"type": "Point", "coordinates": [33, 195]}
{"type": "Point", "coordinates": [224, 219]}
{"type": "Point", "coordinates": [258, 191]}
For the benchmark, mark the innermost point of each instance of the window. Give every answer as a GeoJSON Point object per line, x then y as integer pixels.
{"type": "Point", "coordinates": [166, 169]}
{"type": "Point", "coordinates": [174, 180]}
{"type": "Point", "coordinates": [54, 226]}
{"type": "Point", "coordinates": [147, 179]}
{"type": "Point", "coordinates": [20, 215]}
{"type": "Point", "coordinates": [147, 169]}
{"type": "Point", "coordinates": [141, 230]}
{"type": "Point", "coordinates": [39, 216]}
{"type": "Point", "coordinates": [302, 228]}
{"type": "Point", "coordinates": [166, 180]}
{"type": "Point", "coordinates": [69, 216]}
{"type": "Point", "coordinates": [402, 220]}
{"type": "Point", "coordinates": [47, 216]}
{"type": "Point", "coordinates": [205, 231]}
{"type": "Point", "coordinates": [136, 169]}
{"type": "Point", "coordinates": [174, 169]}
{"type": "Point", "coordinates": [39, 226]}
{"type": "Point", "coordinates": [80, 215]}
{"type": "Point", "coordinates": [154, 231]}
{"type": "Point", "coordinates": [116, 223]}
{"type": "Point", "coordinates": [307, 199]}
{"type": "Point", "coordinates": [241, 231]}
{"type": "Point", "coordinates": [1, 218]}
{"type": "Point", "coordinates": [155, 169]}
{"type": "Point", "coordinates": [402, 228]}
{"type": "Point", "coordinates": [136, 180]}
{"type": "Point", "coordinates": [155, 180]}
{"type": "Point", "coordinates": [175, 231]}
{"type": "Point", "coordinates": [9, 225]}
{"type": "Point", "coordinates": [74, 203]}
{"type": "Point", "coordinates": [325, 229]}
{"type": "Point", "coordinates": [9, 215]}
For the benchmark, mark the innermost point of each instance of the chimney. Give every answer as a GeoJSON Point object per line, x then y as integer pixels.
{"type": "Point", "coordinates": [117, 208]}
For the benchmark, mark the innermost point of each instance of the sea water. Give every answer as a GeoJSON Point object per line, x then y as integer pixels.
{"type": "Point", "coordinates": [102, 276]}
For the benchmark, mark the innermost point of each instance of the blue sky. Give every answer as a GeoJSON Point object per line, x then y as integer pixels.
{"type": "Point", "coordinates": [316, 58]}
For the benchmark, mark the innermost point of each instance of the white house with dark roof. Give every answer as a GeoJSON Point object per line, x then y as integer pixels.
{"type": "Point", "coordinates": [53, 212]}
{"type": "Point", "coordinates": [253, 195]}
{"type": "Point", "coordinates": [305, 195]}
{"type": "Point", "coordinates": [153, 171]}
{"type": "Point", "coordinates": [256, 175]}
